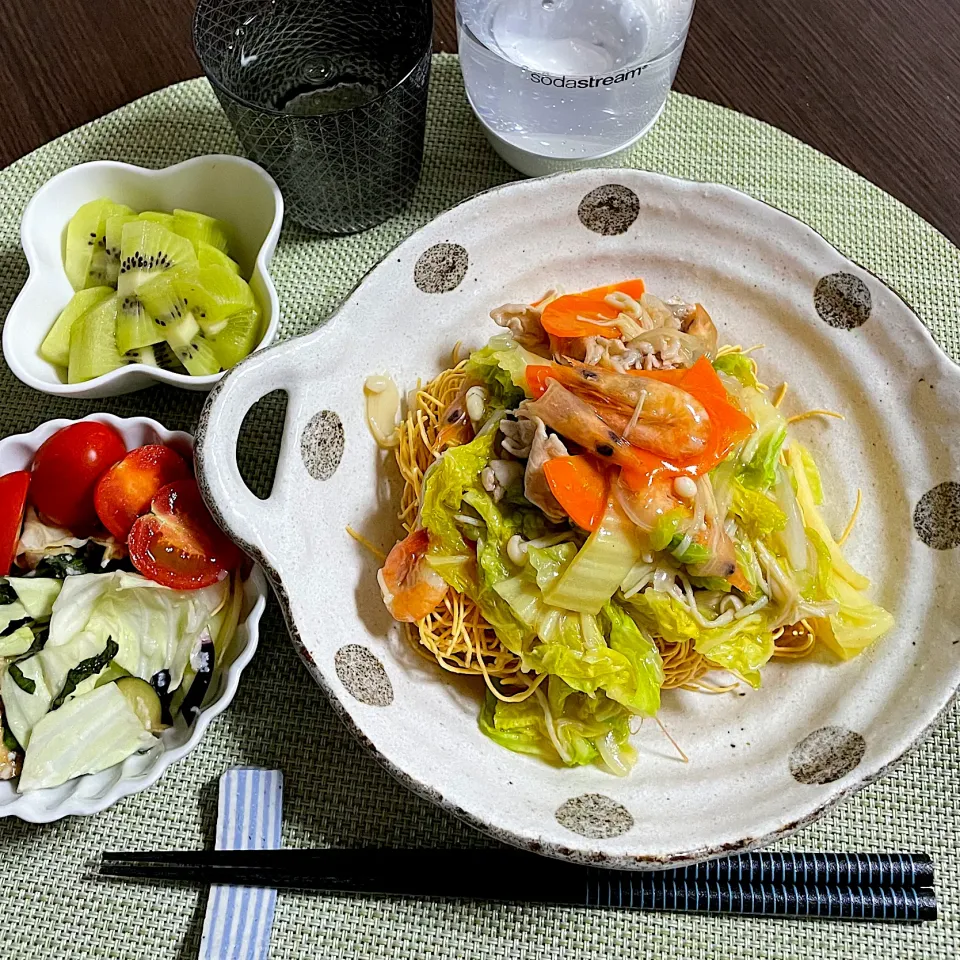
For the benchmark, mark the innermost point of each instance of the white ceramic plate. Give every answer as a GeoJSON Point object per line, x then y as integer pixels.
{"type": "Point", "coordinates": [761, 763]}
{"type": "Point", "coordinates": [233, 189]}
{"type": "Point", "coordinates": [97, 791]}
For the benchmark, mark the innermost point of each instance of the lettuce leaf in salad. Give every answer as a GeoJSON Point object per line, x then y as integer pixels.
{"type": "Point", "coordinates": [111, 732]}
{"type": "Point", "coordinates": [153, 626]}
{"type": "Point", "coordinates": [502, 366]}
{"type": "Point", "coordinates": [36, 594]}
{"type": "Point", "coordinates": [742, 646]}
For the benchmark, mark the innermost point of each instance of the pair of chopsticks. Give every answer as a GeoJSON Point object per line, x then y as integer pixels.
{"type": "Point", "coordinates": [855, 886]}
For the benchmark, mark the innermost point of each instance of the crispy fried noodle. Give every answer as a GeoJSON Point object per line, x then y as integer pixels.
{"type": "Point", "coordinates": [602, 505]}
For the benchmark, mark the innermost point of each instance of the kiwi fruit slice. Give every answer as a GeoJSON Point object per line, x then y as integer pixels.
{"type": "Point", "coordinates": [198, 227]}
{"type": "Point", "coordinates": [237, 339]}
{"type": "Point", "coordinates": [148, 249]}
{"type": "Point", "coordinates": [135, 326]}
{"type": "Point", "coordinates": [112, 234]}
{"type": "Point", "coordinates": [210, 256]}
{"type": "Point", "coordinates": [144, 355]}
{"type": "Point", "coordinates": [155, 216]}
{"type": "Point", "coordinates": [192, 349]}
{"type": "Point", "coordinates": [168, 310]}
{"type": "Point", "coordinates": [93, 343]}
{"type": "Point", "coordinates": [85, 257]}
{"type": "Point", "coordinates": [167, 359]}
{"type": "Point", "coordinates": [56, 345]}
{"type": "Point", "coordinates": [213, 294]}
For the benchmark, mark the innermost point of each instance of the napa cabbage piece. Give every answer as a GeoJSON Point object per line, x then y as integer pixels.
{"type": "Point", "coordinates": [742, 646]}
{"type": "Point", "coordinates": [562, 725]}
{"type": "Point", "coordinates": [857, 622]}
{"type": "Point", "coordinates": [111, 732]}
{"type": "Point", "coordinates": [550, 563]}
{"type": "Point", "coordinates": [598, 569]}
{"type": "Point", "coordinates": [737, 365]}
{"type": "Point", "coordinates": [758, 515]}
{"type": "Point", "coordinates": [757, 460]}
{"type": "Point", "coordinates": [813, 519]}
{"type": "Point", "coordinates": [451, 484]}
{"type": "Point", "coordinates": [591, 654]}
{"type": "Point", "coordinates": [502, 366]}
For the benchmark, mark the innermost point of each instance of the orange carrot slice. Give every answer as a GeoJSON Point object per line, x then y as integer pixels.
{"type": "Point", "coordinates": [581, 487]}
{"type": "Point", "coordinates": [562, 317]}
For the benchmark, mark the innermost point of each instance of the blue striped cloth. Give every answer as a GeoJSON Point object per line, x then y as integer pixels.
{"type": "Point", "coordinates": [238, 921]}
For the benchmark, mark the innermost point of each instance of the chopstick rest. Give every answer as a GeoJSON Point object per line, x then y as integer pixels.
{"type": "Point", "coordinates": [239, 918]}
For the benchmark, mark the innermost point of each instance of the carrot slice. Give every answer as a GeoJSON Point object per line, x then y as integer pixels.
{"type": "Point", "coordinates": [562, 317]}
{"type": "Point", "coordinates": [580, 486]}
{"type": "Point", "coordinates": [729, 426]}
{"type": "Point", "coordinates": [537, 377]}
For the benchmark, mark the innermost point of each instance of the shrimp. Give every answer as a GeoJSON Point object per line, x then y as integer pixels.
{"type": "Point", "coordinates": [411, 588]}
{"type": "Point", "coordinates": [457, 427]}
{"type": "Point", "coordinates": [576, 420]}
{"type": "Point", "coordinates": [671, 422]}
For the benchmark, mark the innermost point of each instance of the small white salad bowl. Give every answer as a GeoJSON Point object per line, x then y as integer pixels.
{"type": "Point", "coordinates": [232, 189]}
{"type": "Point", "coordinates": [94, 792]}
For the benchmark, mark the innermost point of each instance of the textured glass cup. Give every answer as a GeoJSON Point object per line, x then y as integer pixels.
{"type": "Point", "coordinates": [330, 96]}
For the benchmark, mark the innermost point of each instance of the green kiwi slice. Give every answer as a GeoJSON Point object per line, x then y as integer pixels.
{"type": "Point", "coordinates": [238, 338]}
{"type": "Point", "coordinates": [148, 249]}
{"type": "Point", "coordinates": [210, 256]}
{"type": "Point", "coordinates": [93, 343]}
{"type": "Point", "coordinates": [135, 326]}
{"type": "Point", "coordinates": [56, 345]}
{"type": "Point", "coordinates": [112, 234]}
{"type": "Point", "coordinates": [144, 355]}
{"type": "Point", "coordinates": [85, 257]}
{"type": "Point", "coordinates": [198, 227]}
{"type": "Point", "coordinates": [155, 216]}
{"type": "Point", "coordinates": [214, 293]}
{"type": "Point", "coordinates": [167, 359]}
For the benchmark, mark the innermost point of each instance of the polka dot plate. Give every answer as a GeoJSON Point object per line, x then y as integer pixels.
{"type": "Point", "coordinates": [761, 763]}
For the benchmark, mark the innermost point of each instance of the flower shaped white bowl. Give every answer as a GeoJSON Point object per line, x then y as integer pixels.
{"type": "Point", "coordinates": [230, 188]}
{"type": "Point", "coordinates": [97, 791]}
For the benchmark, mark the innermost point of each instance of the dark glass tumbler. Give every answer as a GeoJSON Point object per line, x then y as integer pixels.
{"type": "Point", "coordinates": [330, 96]}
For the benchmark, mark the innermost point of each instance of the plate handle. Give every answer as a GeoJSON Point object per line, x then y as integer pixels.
{"type": "Point", "coordinates": [253, 522]}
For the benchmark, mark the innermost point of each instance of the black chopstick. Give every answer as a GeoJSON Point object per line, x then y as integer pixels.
{"type": "Point", "coordinates": [896, 887]}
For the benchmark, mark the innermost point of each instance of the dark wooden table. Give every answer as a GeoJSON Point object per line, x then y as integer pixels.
{"type": "Point", "coordinates": [873, 83]}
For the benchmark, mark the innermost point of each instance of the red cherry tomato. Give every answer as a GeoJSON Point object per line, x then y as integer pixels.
{"type": "Point", "coordinates": [178, 544]}
{"type": "Point", "coordinates": [127, 489]}
{"type": "Point", "coordinates": [13, 501]}
{"type": "Point", "coordinates": [66, 470]}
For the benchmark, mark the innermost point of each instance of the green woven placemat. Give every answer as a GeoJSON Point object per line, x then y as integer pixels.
{"type": "Point", "coordinates": [336, 794]}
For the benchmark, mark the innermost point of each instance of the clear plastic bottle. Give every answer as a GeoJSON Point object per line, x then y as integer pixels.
{"type": "Point", "coordinates": [559, 84]}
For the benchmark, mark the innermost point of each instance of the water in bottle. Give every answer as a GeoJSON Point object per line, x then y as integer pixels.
{"type": "Point", "coordinates": [559, 84]}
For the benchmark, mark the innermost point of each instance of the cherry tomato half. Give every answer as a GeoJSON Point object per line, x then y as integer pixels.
{"type": "Point", "coordinates": [177, 544]}
{"type": "Point", "coordinates": [13, 502]}
{"type": "Point", "coordinates": [66, 470]}
{"type": "Point", "coordinates": [127, 489]}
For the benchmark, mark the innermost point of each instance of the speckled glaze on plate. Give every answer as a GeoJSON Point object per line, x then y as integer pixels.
{"type": "Point", "coordinates": [762, 763]}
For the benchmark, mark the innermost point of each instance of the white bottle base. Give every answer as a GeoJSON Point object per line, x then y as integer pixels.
{"type": "Point", "coordinates": [534, 165]}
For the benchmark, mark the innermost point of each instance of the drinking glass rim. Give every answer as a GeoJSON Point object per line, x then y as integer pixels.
{"type": "Point", "coordinates": [272, 111]}
{"type": "Point", "coordinates": [623, 68]}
